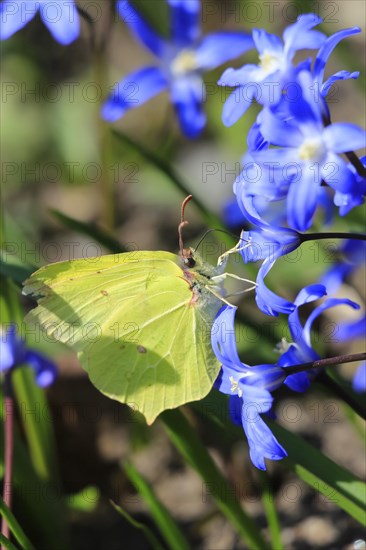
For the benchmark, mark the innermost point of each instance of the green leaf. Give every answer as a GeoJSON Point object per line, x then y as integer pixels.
{"type": "Point", "coordinates": [85, 500]}
{"type": "Point", "coordinates": [335, 483]}
{"type": "Point", "coordinates": [96, 233]}
{"type": "Point", "coordinates": [155, 544]}
{"type": "Point", "coordinates": [320, 472]}
{"type": "Point", "coordinates": [168, 527]}
{"type": "Point", "coordinates": [195, 453]}
{"type": "Point", "coordinates": [269, 506]}
{"type": "Point", "coordinates": [14, 527]}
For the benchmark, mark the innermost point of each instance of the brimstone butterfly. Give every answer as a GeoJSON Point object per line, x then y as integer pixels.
{"type": "Point", "coordinates": [139, 321]}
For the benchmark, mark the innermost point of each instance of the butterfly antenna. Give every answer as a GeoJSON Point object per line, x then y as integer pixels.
{"type": "Point", "coordinates": [183, 222]}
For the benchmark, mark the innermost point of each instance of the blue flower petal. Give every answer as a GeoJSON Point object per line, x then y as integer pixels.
{"type": "Point", "coordinates": [340, 75]}
{"type": "Point", "coordinates": [185, 21]}
{"type": "Point", "coordinates": [335, 276]}
{"type": "Point", "coordinates": [142, 31]}
{"type": "Point", "coordinates": [302, 200]}
{"type": "Point", "coordinates": [44, 369]}
{"type": "Point", "coordinates": [255, 139]}
{"type": "Point", "coordinates": [329, 303]}
{"type": "Point", "coordinates": [267, 301]}
{"type": "Point", "coordinates": [352, 331]}
{"type": "Point", "coordinates": [12, 348]}
{"type": "Point", "coordinates": [343, 136]}
{"type": "Point", "coordinates": [262, 442]}
{"type": "Point", "coordinates": [218, 48]}
{"type": "Point", "coordinates": [187, 96]}
{"type": "Point", "coordinates": [238, 77]}
{"type": "Point", "coordinates": [61, 20]}
{"type": "Point", "coordinates": [266, 42]}
{"type": "Point", "coordinates": [337, 173]}
{"type": "Point", "coordinates": [359, 379]}
{"type": "Point", "coordinates": [14, 15]}
{"type": "Point", "coordinates": [235, 408]}
{"type": "Point", "coordinates": [223, 339]}
{"type": "Point", "coordinates": [327, 48]}
{"type": "Point", "coordinates": [279, 132]}
{"type": "Point", "coordinates": [300, 36]}
{"type": "Point", "coordinates": [236, 105]}
{"type": "Point", "coordinates": [132, 91]}
{"type": "Point", "coordinates": [299, 382]}
{"type": "Point", "coordinates": [305, 296]}
{"type": "Point", "coordinates": [232, 215]}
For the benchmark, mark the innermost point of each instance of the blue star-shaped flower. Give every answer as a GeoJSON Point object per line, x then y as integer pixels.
{"type": "Point", "coordinates": [301, 350]}
{"type": "Point", "coordinates": [60, 17]}
{"type": "Point", "coordinates": [310, 149]}
{"type": "Point", "coordinates": [182, 61]}
{"type": "Point", "coordinates": [14, 353]}
{"type": "Point", "coordinates": [249, 389]}
{"type": "Point", "coordinates": [265, 81]}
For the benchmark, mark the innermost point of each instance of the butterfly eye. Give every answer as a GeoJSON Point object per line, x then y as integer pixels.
{"type": "Point", "coordinates": [189, 262]}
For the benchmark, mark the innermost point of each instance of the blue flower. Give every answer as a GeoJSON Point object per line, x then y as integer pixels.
{"type": "Point", "coordinates": [182, 61]}
{"type": "Point", "coordinates": [249, 389]}
{"type": "Point", "coordinates": [265, 82]}
{"type": "Point", "coordinates": [61, 18]}
{"type": "Point", "coordinates": [359, 379]}
{"type": "Point", "coordinates": [348, 200]}
{"type": "Point", "coordinates": [267, 243]}
{"type": "Point", "coordinates": [354, 257]}
{"type": "Point", "coordinates": [14, 353]}
{"type": "Point", "coordinates": [301, 350]}
{"type": "Point", "coordinates": [322, 58]}
{"type": "Point", "coordinates": [310, 150]}
{"type": "Point", "coordinates": [276, 75]}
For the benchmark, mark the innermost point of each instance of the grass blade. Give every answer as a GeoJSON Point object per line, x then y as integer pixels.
{"type": "Point", "coordinates": [270, 511]}
{"type": "Point", "coordinates": [14, 527]}
{"type": "Point", "coordinates": [195, 453]}
{"type": "Point", "coordinates": [335, 483]}
{"type": "Point", "coordinates": [168, 527]}
{"type": "Point", "coordinates": [155, 544]}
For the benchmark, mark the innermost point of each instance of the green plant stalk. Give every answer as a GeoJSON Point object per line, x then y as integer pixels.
{"type": "Point", "coordinates": [194, 452]}
{"type": "Point", "coordinates": [271, 511]}
{"type": "Point", "coordinates": [15, 528]}
{"type": "Point", "coordinates": [168, 527]}
{"type": "Point", "coordinates": [155, 544]}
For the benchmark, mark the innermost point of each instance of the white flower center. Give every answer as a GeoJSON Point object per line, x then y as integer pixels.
{"type": "Point", "coordinates": [235, 386]}
{"type": "Point", "coordinates": [184, 62]}
{"type": "Point", "coordinates": [270, 62]}
{"type": "Point", "coordinates": [282, 347]}
{"type": "Point", "coordinates": [312, 149]}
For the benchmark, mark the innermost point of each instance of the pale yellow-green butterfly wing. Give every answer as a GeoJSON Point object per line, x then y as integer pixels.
{"type": "Point", "coordinates": [139, 321]}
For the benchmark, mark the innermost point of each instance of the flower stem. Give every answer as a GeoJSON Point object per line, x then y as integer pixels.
{"type": "Point", "coordinates": [353, 158]}
{"type": "Point", "coordinates": [328, 362]}
{"type": "Point", "coordinates": [334, 235]}
{"type": "Point", "coordinates": [328, 382]}
{"type": "Point", "coordinates": [9, 446]}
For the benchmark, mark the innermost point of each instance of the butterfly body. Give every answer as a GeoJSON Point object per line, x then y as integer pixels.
{"type": "Point", "coordinates": [139, 321]}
